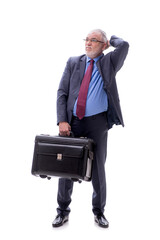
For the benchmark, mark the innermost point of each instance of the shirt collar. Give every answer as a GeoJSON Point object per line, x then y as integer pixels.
{"type": "Point", "coordinates": [95, 59]}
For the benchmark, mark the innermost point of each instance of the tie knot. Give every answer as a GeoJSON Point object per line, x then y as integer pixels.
{"type": "Point", "coordinates": [91, 61]}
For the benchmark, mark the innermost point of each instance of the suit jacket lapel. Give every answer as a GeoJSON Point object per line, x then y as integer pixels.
{"type": "Point", "coordinates": [82, 66]}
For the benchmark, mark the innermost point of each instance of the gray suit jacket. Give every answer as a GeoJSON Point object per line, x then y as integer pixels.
{"type": "Point", "coordinates": [108, 66]}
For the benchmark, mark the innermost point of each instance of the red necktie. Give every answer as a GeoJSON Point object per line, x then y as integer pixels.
{"type": "Point", "coordinates": [82, 97]}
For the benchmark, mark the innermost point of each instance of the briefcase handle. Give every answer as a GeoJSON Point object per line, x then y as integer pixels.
{"type": "Point", "coordinates": [71, 135]}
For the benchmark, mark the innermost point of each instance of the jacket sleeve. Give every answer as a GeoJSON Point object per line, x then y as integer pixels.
{"type": "Point", "coordinates": [62, 95]}
{"type": "Point", "coordinates": [119, 54]}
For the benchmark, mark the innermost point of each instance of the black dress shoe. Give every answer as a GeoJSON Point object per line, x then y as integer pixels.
{"type": "Point", "coordinates": [59, 220]}
{"type": "Point", "coordinates": [101, 220]}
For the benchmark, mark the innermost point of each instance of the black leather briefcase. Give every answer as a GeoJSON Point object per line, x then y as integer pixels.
{"type": "Point", "coordinates": [66, 157]}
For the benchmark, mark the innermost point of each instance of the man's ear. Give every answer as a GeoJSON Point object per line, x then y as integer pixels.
{"type": "Point", "coordinates": [107, 45]}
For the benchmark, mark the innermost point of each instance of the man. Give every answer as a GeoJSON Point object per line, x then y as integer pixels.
{"type": "Point", "coordinates": [90, 115]}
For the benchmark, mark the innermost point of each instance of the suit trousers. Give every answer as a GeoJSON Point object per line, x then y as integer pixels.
{"type": "Point", "coordinates": [94, 127]}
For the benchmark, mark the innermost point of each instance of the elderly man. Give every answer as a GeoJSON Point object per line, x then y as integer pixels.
{"type": "Point", "coordinates": [88, 104]}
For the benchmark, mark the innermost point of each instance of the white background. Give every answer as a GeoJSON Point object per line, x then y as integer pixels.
{"type": "Point", "coordinates": [36, 39]}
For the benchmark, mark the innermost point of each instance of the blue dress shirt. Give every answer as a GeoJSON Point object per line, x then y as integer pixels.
{"type": "Point", "coordinates": [97, 100]}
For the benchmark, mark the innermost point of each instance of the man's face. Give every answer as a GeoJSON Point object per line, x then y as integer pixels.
{"type": "Point", "coordinates": [94, 49]}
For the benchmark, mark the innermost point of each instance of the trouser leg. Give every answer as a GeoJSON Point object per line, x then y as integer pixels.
{"type": "Point", "coordinates": [65, 188]}
{"type": "Point", "coordinates": [99, 177]}
{"type": "Point", "coordinates": [98, 131]}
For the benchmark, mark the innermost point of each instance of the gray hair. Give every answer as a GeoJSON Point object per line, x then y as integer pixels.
{"type": "Point", "coordinates": [103, 34]}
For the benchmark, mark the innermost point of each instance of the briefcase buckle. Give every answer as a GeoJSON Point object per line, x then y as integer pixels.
{"type": "Point", "coordinates": [59, 156]}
